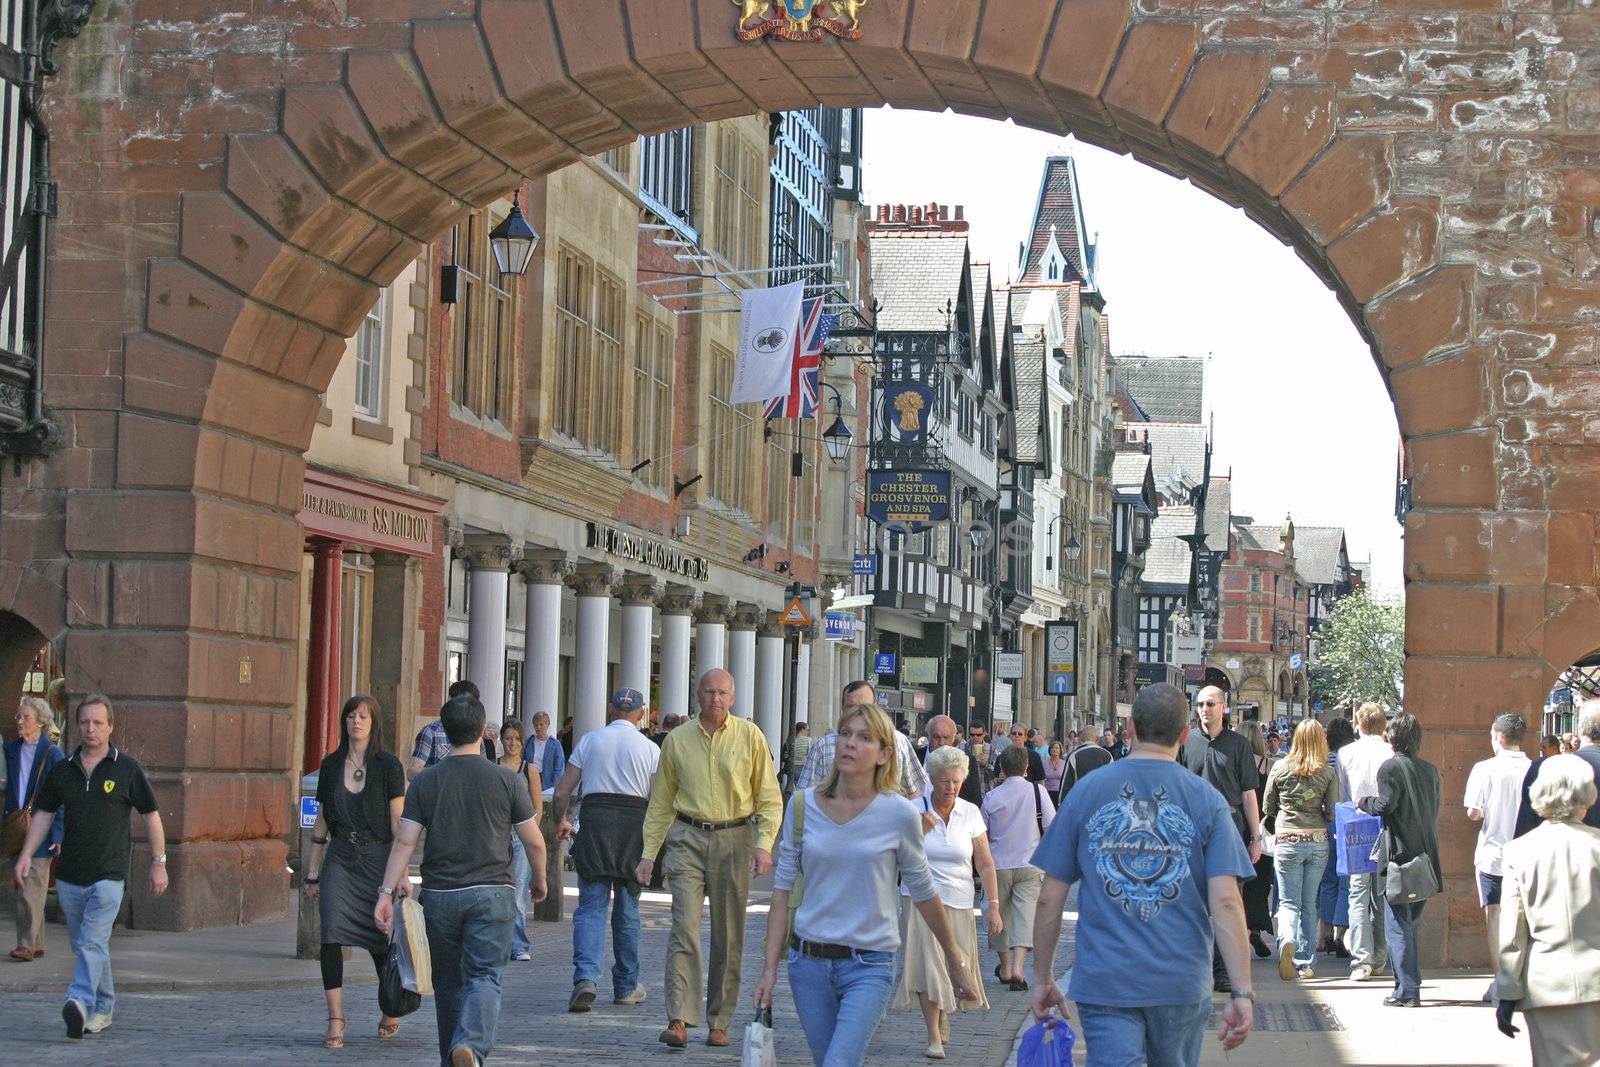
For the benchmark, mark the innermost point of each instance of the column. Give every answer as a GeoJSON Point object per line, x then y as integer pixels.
{"type": "Point", "coordinates": [677, 606]}
{"type": "Point", "coordinates": [770, 644]}
{"type": "Point", "coordinates": [396, 597]}
{"type": "Point", "coordinates": [593, 583]}
{"type": "Point", "coordinates": [545, 572]}
{"type": "Point", "coordinates": [322, 664]}
{"type": "Point", "coordinates": [802, 684]}
{"type": "Point", "coordinates": [742, 658]}
{"type": "Point", "coordinates": [489, 583]}
{"type": "Point", "coordinates": [710, 636]}
{"type": "Point", "coordinates": [817, 675]}
{"type": "Point", "coordinates": [639, 596]}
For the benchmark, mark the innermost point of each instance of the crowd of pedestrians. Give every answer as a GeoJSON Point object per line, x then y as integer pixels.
{"type": "Point", "coordinates": [1191, 840]}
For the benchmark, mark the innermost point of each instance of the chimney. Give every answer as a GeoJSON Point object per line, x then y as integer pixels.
{"type": "Point", "coordinates": [933, 211]}
{"type": "Point", "coordinates": [899, 213]}
{"type": "Point", "coordinates": [916, 214]}
{"type": "Point", "coordinates": [961, 213]}
{"type": "Point", "coordinates": [883, 212]}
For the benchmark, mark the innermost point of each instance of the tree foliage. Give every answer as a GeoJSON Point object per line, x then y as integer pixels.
{"type": "Point", "coordinates": [1360, 651]}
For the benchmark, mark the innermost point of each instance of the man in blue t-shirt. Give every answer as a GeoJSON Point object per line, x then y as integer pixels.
{"type": "Point", "coordinates": [1159, 858]}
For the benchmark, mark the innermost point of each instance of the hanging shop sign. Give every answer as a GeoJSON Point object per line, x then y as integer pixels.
{"type": "Point", "coordinates": [865, 563]}
{"type": "Point", "coordinates": [839, 626]}
{"type": "Point", "coordinates": [907, 407]}
{"type": "Point", "coordinates": [1061, 659]}
{"type": "Point", "coordinates": [920, 670]}
{"type": "Point", "coordinates": [1008, 665]}
{"type": "Point", "coordinates": [365, 513]}
{"type": "Point", "coordinates": [649, 552]}
{"type": "Point", "coordinates": [913, 499]}
{"type": "Point", "coordinates": [799, 20]}
{"type": "Point", "coordinates": [883, 664]}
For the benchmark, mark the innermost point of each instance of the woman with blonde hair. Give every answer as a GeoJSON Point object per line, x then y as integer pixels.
{"type": "Point", "coordinates": [956, 841]}
{"type": "Point", "coordinates": [846, 842]}
{"type": "Point", "coordinates": [1301, 792]}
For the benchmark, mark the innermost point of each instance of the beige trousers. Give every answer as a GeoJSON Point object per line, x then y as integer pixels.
{"type": "Point", "coordinates": [707, 865]}
{"type": "Point", "coordinates": [30, 904]}
{"type": "Point", "coordinates": [1018, 897]}
{"type": "Point", "coordinates": [1568, 1036]}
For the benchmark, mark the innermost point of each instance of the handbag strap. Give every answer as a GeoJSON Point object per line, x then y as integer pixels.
{"type": "Point", "coordinates": [39, 755]}
{"type": "Point", "coordinates": [1038, 810]}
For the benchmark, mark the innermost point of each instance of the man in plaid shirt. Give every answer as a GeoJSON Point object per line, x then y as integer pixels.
{"type": "Point", "coordinates": [913, 779]}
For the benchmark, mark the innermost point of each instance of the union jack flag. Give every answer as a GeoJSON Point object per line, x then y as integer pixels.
{"type": "Point", "coordinates": [805, 367]}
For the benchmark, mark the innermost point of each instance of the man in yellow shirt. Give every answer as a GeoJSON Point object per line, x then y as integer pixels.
{"type": "Point", "coordinates": [714, 782]}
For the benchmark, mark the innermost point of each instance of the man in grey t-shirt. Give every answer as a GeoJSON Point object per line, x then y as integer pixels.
{"type": "Point", "coordinates": [470, 807]}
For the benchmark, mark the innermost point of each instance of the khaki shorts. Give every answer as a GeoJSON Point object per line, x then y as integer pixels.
{"type": "Point", "coordinates": [1018, 900]}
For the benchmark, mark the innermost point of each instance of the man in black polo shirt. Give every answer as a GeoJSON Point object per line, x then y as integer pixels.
{"type": "Point", "coordinates": [1224, 758]}
{"type": "Point", "coordinates": [97, 785]}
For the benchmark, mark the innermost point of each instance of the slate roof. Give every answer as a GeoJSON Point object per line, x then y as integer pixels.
{"type": "Point", "coordinates": [1316, 553]}
{"type": "Point", "coordinates": [1168, 560]}
{"type": "Point", "coordinates": [1028, 353]}
{"type": "Point", "coordinates": [1002, 319]}
{"type": "Point", "coordinates": [914, 274]}
{"type": "Point", "coordinates": [1059, 206]}
{"type": "Point", "coordinates": [1127, 475]}
{"type": "Point", "coordinates": [1217, 518]}
{"type": "Point", "coordinates": [1177, 450]}
{"type": "Point", "coordinates": [1260, 537]}
{"type": "Point", "coordinates": [1167, 390]}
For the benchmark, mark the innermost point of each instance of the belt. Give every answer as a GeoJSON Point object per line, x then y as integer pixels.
{"type": "Point", "coordinates": [355, 837]}
{"type": "Point", "coordinates": [1295, 837]}
{"type": "Point", "coordinates": [819, 950]}
{"type": "Point", "coordinates": [701, 824]}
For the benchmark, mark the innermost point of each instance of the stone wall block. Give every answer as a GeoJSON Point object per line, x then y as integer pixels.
{"type": "Point", "coordinates": [1388, 248]}
{"type": "Point", "coordinates": [1222, 91]}
{"type": "Point", "coordinates": [1464, 546]}
{"type": "Point", "coordinates": [1436, 396]}
{"type": "Point", "coordinates": [1148, 75]}
{"type": "Point", "coordinates": [1431, 314]}
{"type": "Point", "coordinates": [155, 453]}
{"type": "Point", "coordinates": [1448, 692]}
{"type": "Point", "coordinates": [1570, 627]}
{"type": "Point", "coordinates": [88, 593]}
{"type": "Point", "coordinates": [1286, 132]}
{"type": "Point", "coordinates": [188, 307]}
{"type": "Point", "coordinates": [1012, 37]}
{"type": "Point", "coordinates": [1345, 184]}
{"type": "Point", "coordinates": [1572, 548]}
{"type": "Point", "coordinates": [1444, 619]}
{"type": "Point", "coordinates": [1454, 469]}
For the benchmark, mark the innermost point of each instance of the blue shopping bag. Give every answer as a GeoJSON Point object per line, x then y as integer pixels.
{"type": "Point", "coordinates": [1356, 832]}
{"type": "Point", "coordinates": [1047, 1044]}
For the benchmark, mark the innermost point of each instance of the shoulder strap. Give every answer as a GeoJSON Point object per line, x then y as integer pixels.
{"type": "Point", "coordinates": [1038, 809]}
{"type": "Point", "coordinates": [800, 826]}
{"type": "Point", "coordinates": [40, 754]}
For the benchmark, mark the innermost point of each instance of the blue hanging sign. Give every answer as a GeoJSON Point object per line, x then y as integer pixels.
{"type": "Point", "coordinates": [910, 499]}
{"type": "Point", "coordinates": [839, 626]}
{"type": "Point", "coordinates": [907, 407]}
{"type": "Point", "coordinates": [309, 810]}
{"type": "Point", "coordinates": [865, 563]}
{"type": "Point", "coordinates": [883, 664]}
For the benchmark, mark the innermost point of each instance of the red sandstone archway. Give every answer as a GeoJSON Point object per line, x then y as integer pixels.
{"type": "Point", "coordinates": [237, 179]}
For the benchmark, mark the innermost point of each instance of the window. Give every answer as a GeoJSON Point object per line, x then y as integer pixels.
{"type": "Point", "coordinates": [604, 402]}
{"type": "Point", "coordinates": [778, 479]}
{"type": "Point", "coordinates": [1255, 626]}
{"type": "Point", "coordinates": [652, 392]}
{"type": "Point", "coordinates": [369, 360]}
{"type": "Point", "coordinates": [618, 159]}
{"type": "Point", "coordinates": [732, 444]}
{"type": "Point", "coordinates": [1255, 581]}
{"type": "Point", "coordinates": [483, 327]}
{"type": "Point", "coordinates": [805, 490]}
{"type": "Point", "coordinates": [572, 338]}
{"type": "Point", "coordinates": [666, 175]}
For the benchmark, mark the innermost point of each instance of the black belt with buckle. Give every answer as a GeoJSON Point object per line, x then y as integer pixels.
{"type": "Point", "coordinates": [701, 824]}
{"type": "Point", "coordinates": [357, 837]}
{"type": "Point", "coordinates": [820, 950]}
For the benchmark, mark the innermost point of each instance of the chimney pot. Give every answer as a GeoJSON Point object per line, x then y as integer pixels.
{"type": "Point", "coordinates": [916, 213]}
{"type": "Point", "coordinates": [899, 213]}
{"type": "Point", "coordinates": [961, 212]}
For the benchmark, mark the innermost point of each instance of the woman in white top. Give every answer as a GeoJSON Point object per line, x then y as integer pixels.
{"type": "Point", "coordinates": [846, 842]}
{"type": "Point", "coordinates": [956, 840]}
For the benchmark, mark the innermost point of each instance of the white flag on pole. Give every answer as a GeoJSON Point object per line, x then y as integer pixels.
{"type": "Point", "coordinates": [768, 319]}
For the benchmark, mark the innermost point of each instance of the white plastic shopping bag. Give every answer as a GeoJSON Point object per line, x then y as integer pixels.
{"type": "Point", "coordinates": [760, 1044]}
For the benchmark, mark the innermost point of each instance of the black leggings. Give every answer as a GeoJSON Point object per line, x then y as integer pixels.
{"type": "Point", "coordinates": [333, 965]}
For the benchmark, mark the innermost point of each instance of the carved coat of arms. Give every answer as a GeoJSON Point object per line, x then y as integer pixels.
{"type": "Point", "coordinates": [799, 20]}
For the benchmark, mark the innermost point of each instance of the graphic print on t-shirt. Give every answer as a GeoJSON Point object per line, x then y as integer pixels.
{"type": "Point", "coordinates": [1141, 849]}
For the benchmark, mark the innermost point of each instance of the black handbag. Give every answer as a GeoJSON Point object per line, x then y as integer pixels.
{"type": "Point", "coordinates": [394, 999]}
{"type": "Point", "coordinates": [1413, 880]}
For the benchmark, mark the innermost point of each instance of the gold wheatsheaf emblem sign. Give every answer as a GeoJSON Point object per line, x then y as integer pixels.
{"type": "Point", "coordinates": [799, 20]}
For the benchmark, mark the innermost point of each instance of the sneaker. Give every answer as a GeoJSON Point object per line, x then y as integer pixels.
{"type": "Point", "coordinates": [635, 996]}
{"type": "Point", "coordinates": [1307, 972]}
{"type": "Point", "coordinates": [1286, 961]}
{"type": "Point", "coordinates": [98, 1022]}
{"type": "Point", "coordinates": [521, 957]}
{"type": "Point", "coordinates": [582, 996]}
{"type": "Point", "coordinates": [1361, 973]}
{"type": "Point", "coordinates": [72, 1015]}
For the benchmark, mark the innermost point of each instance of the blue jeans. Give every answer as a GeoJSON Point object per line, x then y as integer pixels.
{"type": "Point", "coordinates": [840, 1003]}
{"type": "Point", "coordinates": [1300, 868]}
{"type": "Point", "coordinates": [1162, 1035]}
{"type": "Point", "coordinates": [1400, 923]}
{"type": "Point", "coordinates": [1368, 946]}
{"type": "Point", "coordinates": [91, 911]}
{"type": "Point", "coordinates": [524, 875]}
{"type": "Point", "coordinates": [589, 933]}
{"type": "Point", "coordinates": [469, 938]}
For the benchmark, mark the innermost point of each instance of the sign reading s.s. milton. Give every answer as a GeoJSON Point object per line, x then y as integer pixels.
{"type": "Point", "coordinates": [912, 499]}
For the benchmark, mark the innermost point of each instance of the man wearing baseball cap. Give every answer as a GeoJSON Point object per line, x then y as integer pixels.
{"type": "Point", "coordinates": [612, 769]}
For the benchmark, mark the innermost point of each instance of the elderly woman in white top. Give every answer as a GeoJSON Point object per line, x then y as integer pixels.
{"type": "Point", "coordinates": [956, 840]}
{"type": "Point", "coordinates": [1550, 921]}
{"type": "Point", "coordinates": [845, 842]}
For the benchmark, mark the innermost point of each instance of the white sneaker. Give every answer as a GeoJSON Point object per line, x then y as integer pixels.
{"type": "Point", "coordinates": [635, 997]}
{"type": "Point", "coordinates": [935, 1051]}
{"type": "Point", "coordinates": [1360, 973]}
{"type": "Point", "coordinates": [97, 1023]}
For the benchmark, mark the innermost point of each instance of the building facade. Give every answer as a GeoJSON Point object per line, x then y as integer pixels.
{"type": "Point", "coordinates": [1262, 640]}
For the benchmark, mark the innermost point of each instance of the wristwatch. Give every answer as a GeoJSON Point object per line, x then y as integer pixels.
{"type": "Point", "coordinates": [159, 857]}
{"type": "Point", "coordinates": [1242, 994]}
{"type": "Point", "coordinates": [387, 891]}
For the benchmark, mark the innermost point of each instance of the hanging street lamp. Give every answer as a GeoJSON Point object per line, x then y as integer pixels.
{"type": "Point", "coordinates": [513, 241]}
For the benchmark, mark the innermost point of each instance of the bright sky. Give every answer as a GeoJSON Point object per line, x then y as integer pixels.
{"type": "Point", "coordinates": [1302, 416]}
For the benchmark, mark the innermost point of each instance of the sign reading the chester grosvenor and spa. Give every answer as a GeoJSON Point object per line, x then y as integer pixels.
{"type": "Point", "coordinates": [651, 553]}
{"type": "Point", "coordinates": [799, 20]}
{"type": "Point", "coordinates": [911, 499]}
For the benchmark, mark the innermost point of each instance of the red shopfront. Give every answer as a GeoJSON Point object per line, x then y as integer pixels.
{"type": "Point", "coordinates": [366, 545]}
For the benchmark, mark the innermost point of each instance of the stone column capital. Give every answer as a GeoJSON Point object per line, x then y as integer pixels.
{"type": "Point", "coordinates": [455, 533]}
{"type": "Point", "coordinates": [745, 616]}
{"type": "Point", "coordinates": [493, 555]}
{"type": "Point", "coordinates": [679, 600]}
{"type": "Point", "coordinates": [545, 566]}
{"type": "Point", "coordinates": [594, 579]}
{"type": "Point", "coordinates": [641, 589]}
{"type": "Point", "coordinates": [713, 608]}
{"type": "Point", "coordinates": [772, 625]}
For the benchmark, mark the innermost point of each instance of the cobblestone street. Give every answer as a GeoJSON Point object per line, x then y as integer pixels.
{"type": "Point", "coordinates": [283, 1023]}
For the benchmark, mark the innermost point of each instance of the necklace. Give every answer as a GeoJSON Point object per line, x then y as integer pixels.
{"type": "Point", "coordinates": [359, 773]}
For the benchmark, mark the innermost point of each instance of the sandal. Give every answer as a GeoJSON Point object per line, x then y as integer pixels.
{"type": "Point", "coordinates": [388, 1027]}
{"type": "Point", "coordinates": [38, 953]}
{"type": "Point", "coordinates": [22, 955]}
{"type": "Point", "coordinates": [331, 1039]}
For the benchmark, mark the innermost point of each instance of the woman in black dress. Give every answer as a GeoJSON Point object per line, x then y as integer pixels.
{"type": "Point", "coordinates": [1258, 909]}
{"type": "Point", "coordinates": [360, 790]}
